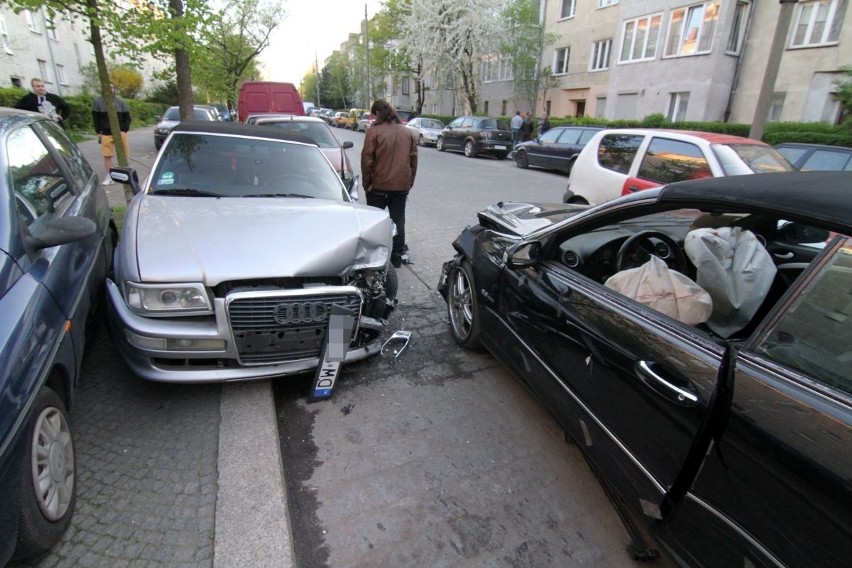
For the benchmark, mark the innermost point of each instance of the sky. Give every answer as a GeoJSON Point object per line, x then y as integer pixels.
{"type": "Point", "coordinates": [311, 28]}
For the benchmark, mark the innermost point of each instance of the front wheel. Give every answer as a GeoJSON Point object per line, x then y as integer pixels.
{"type": "Point", "coordinates": [522, 160]}
{"type": "Point", "coordinates": [463, 307]}
{"type": "Point", "coordinates": [469, 150]}
{"type": "Point", "coordinates": [49, 482]}
{"type": "Point", "coordinates": [439, 144]}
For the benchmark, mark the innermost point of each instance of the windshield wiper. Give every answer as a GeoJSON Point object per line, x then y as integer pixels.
{"type": "Point", "coordinates": [280, 195]}
{"type": "Point", "coordinates": [186, 191]}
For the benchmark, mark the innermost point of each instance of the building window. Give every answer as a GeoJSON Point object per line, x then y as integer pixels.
{"type": "Point", "coordinates": [600, 107]}
{"type": "Point", "coordinates": [817, 22]}
{"type": "Point", "coordinates": [691, 29]}
{"type": "Point", "coordinates": [50, 26]}
{"type": "Point", "coordinates": [776, 106]}
{"type": "Point", "coordinates": [600, 55]}
{"type": "Point", "coordinates": [496, 67]}
{"type": "Point", "coordinates": [405, 86]}
{"type": "Point", "coordinates": [605, 3]}
{"type": "Point", "coordinates": [738, 28]}
{"type": "Point", "coordinates": [677, 107]}
{"type": "Point", "coordinates": [639, 38]}
{"type": "Point", "coordinates": [16, 82]}
{"type": "Point", "coordinates": [32, 22]}
{"type": "Point", "coordinates": [504, 107]}
{"type": "Point", "coordinates": [60, 75]}
{"type": "Point", "coordinates": [42, 70]}
{"type": "Point", "coordinates": [4, 35]}
{"type": "Point", "coordinates": [485, 108]}
{"type": "Point", "coordinates": [568, 9]}
{"type": "Point", "coordinates": [560, 60]}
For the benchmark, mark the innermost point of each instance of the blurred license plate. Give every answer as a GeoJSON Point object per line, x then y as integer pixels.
{"type": "Point", "coordinates": [500, 148]}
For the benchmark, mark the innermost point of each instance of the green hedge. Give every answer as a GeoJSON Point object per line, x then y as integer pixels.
{"type": "Point", "coordinates": [774, 132]}
{"type": "Point", "coordinates": [80, 119]}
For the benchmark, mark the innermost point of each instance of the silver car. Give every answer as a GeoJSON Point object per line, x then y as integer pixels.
{"type": "Point", "coordinates": [243, 256]}
{"type": "Point", "coordinates": [171, 118]}
{"type": "Point", "coordinates": [426, 130]}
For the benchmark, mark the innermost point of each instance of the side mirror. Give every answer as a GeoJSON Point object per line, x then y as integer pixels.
{"type": "Point", "coordinates": [127, 176]}
{"type": "Point", "coordinates": [524, 255]}
{"type": "Point", "coordinates": [348, 144]}
{"type": "Point", "coordinates": [798, 233]}
{"type": "Point", "coordinates": [61, 231]}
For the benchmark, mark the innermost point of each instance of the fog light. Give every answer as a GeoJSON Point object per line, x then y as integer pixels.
{"type": "Point", "coordinates": [143, 342]}
{"type": "Point", "coordinates": [195, 344]}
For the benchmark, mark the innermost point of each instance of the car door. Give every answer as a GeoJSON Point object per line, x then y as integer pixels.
{"type": "Point", "coordinates": [452, 133]}
{"type": "Point", "coordinates": [565, 147]}
{"type": "Point", "coordinates": [540, 151]}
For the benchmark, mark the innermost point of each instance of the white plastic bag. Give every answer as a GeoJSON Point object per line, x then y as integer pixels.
{"type": "Point", "coordinates": [657, 286]}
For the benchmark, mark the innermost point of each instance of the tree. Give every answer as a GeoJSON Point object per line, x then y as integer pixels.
{"type": "Point", "coordinates": [309, 88]}
{"type": "Point", "coordinates": [524, 41]}
{"type": "Point", "coordinates": [335, 85]}
{"type": "Point", "coordinates": [453, 33]}
{"type": "Point", "coordinates": [392, 54]}
{"type": "Point", "coordinates": [844, 95]}
{"type": "Point", "coordinates": [127, 80]}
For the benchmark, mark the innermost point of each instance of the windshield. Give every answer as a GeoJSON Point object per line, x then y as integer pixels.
{"type": "Point", "coordinates": [492, 124]}
{"type": "Point", "coordinates": [739, 159]}
{"type": "Point", "coordinates": [194, 164]}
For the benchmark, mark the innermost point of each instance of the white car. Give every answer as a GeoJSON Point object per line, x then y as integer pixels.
{"type": "Point", "coordinates": [618, 162]}
{"type": "Point", "coordinates": [426, 130]}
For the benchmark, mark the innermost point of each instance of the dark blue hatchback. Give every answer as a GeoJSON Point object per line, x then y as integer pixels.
{"type": "Point", "coordinates": [56, 245]}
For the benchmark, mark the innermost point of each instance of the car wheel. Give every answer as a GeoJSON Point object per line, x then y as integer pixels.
{"type": "Point", "coordinates": [463, 307]}
{"type": "Point", "coordinates": [49, 482]}
{"type": "Point", "coordinates": [469, 150]}
{"type": "Point", "coordinates": [522, 160]}
{"type": "Point", "coordinates": [391, 283]}
{"type": "Point", "coordinates": [439, 144]}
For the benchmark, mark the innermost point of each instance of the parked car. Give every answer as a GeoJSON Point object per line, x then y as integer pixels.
{"type": "Point", "coordinates": [255, 118]}
{"type": "Point", "coordinates": [365, 122]}
{"type": "Point", "coordinates": [171, 118]}
{"type": "Point", "coordinates": [405, 116]}
{"type": "Point", "coordinates": [56, 245]}
{"type": "Point", "coordinates": [476, 135]}
{"type": "Point", "coordinates": [318, 131]}
{"type": "Point", "coordinates": [339, 119]}
{"type": "Point", "coordinates": [807, 157]}
{"type": "Point", "coordinates": [353, 117]}
{"type": "Point", "coordinates": [426, 130]}
{"type": "Point", "coordinates": [620, 161]}
{"type": "Point", "coordinates": [694, 341]}
{"type": "Point", "coordinates": [268, 96]}
{"type": "Point", "coordinates": [556, 149]}
{"type": "Point", "coordinates": [243, 256]}
{"type": "Point", "coordinates": [224, 111]}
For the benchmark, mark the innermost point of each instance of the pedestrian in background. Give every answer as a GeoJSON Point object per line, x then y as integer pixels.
{"type": "Point", "coordinates": [100, 118]}
{"type": "Point", "coordinates": [39, 100]}
{"type": "Point", "coordinates": [515, 124]}
{"type": "Point", "coordinates": [388, 168]}
{"type": "Point", "coordinates": [543, 124]}
{"type": "Point", "coordinates": [526, 127]}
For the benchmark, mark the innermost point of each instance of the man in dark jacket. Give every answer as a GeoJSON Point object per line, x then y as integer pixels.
{"type": "Point", "coordinates": [100, 118]}
{"type": "Point", "coordinates": [39, 100]}
{"type": "Point", "coordinates": [526, 128]}
{"type": "Point", "coordinates": [388, 167]}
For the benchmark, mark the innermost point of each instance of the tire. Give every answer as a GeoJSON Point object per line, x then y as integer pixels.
{"type": "Point", "coordinates": [522, 160]}
{"type": "Point", "coordinates": [469, 150]}
{"type": "Point", "coordinates": [463, 306]}
{"type": "Point", "coordinates": [439, 144]}
{"type": "Point", "coordinates": [391, 283]}
{"type": "Point", "coordinates": [49, 463]}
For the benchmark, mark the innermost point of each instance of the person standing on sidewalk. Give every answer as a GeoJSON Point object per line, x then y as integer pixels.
{"type": "Point", "coordinates": [100, 118]}
{"type": "Point", "coordinates": [526, 127]}
{"type": "Point", "coordinates": [388, 168]}
{"type": "Point", "coordinates": [39, 100]}
{"type": "Point", "coordinates": [515, 124]}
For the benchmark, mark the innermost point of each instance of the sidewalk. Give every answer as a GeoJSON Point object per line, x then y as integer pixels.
{"type": "Point", "coordinates": [252, 516]}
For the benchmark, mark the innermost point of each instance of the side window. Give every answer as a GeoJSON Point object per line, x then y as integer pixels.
{"type": "Point", "coordinates": [617, 151]}
{"type": "Point", "coordinates": [587, 135]}
{"type": "Point", "coordinates": [828, 160]}
{"type": "Point", "coordinates": [549, 137]}
{"type": "Point", "coordinates": [80, 168]}
{"type": "Point", "coordinates": [41, 191]}
{"type": "Point", "coordinates": [668, 161]}
{"type": "Point", "coordinates": [814, 336]}
{"type": "Point", "coordinates": [467, 122]}
{"type": "Point", "coordinates": [569, 136]}
{"type": "Point", "coordinates": [456, 123]}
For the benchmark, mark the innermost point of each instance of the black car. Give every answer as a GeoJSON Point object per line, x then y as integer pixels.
{"type": "Point", "coordinates": [556, 149]}
{"type": "Point", "coordinates": [695, 342]}
{"type": "Point", "coordinates": [808, 157]}
{"type": "Point", "coordinates": [476, 135]}
{"type": "Point", "coordinates": [56, 247]}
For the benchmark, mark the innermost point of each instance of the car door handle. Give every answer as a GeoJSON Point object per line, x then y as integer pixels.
{"type": "Point", "coordinates": [680, 392]}
{"type": "Point", "coordinates": [783, 255]}
{"type": "Point", "coordinates": [632, 188]}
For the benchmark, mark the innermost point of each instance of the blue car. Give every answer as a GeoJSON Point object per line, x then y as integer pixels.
{"type": "Point", "coordinates": [56, 247]}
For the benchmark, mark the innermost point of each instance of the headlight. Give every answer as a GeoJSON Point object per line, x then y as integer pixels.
{"type": "Point", "coordinates": [162, 131]}
{"type": "Point", "coordinates": [168, 299]}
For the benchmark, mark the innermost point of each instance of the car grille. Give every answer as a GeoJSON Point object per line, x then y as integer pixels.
{"type": "Point", "coordinates": [280, 327]}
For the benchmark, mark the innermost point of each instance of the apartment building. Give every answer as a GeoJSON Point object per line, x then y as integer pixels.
{"type": "Point", "coordinates": [701, 61]}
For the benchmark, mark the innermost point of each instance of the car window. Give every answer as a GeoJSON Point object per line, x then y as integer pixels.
{"type": "Point", "coordinates": [569, 135]}
{"type": "Point", "coordinates": [467, 122]}
{"type": "Point", "coordinates": [41, 191]}
{"type": "Point", "coordinates": [668, 161]}
{"type": "Point", "coordinates": [431, 123]}
{"type": "Point", "coordinates": [739, 159]}
{"type": "Point", "coordinates": [587, 135]}
{"type": "Point", "coordinates": [616, 151]}
{"type": "Point", "coordinates": [80, 168]}
{"type": "Point", "coordinates": [201, 114]}
{"type": "Point", "coordinates": [549, 137]}
{"type": "Point", "coordinates": [792, 153]}
{"type": "Point", "coordinates": [172, 113]}
{"type": "Point", "coordinates": [828, 160]}
{"type": "Point", "coordinates": [318, 132]}
{"type": "Point", "coordinates": [814, 336]}
{"type": "Point", "coordinates": [456, 123]}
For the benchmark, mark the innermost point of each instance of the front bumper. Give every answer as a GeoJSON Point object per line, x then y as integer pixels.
{"type": "Point", "coordinates": [253, 348]}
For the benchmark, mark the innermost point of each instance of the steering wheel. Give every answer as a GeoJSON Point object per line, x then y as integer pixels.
{"type": "Point", "coordinates": [639, 248]}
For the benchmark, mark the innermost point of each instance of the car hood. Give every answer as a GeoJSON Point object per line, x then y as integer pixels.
{"type": "Point", "coordinates": [525, 218]}
{"type": "Point", "coordinates": [193, 239]}
{"type": "Point", "coordinates": [167, 124]}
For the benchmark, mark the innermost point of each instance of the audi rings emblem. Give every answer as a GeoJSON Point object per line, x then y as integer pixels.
{"type": "Point", "coordinates": [300, 312]}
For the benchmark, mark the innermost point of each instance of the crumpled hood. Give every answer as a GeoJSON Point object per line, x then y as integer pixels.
{"type": "Point", "coordinates": [199, 239]}
{"type": "Point", "coordinates": [525, 218]}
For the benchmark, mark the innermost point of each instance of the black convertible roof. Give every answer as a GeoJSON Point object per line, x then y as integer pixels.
{"type": "Point", "coordinates": [240, 129]}
{"type": "Point", "coordinates": [818, 196]}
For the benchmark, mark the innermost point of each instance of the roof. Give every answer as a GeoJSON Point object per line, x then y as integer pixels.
{"type": "Point", "coordinates": [822, 197]}
{"type": "Point", "coordinates": [240, 129]}
{"type": "Point", "coordinates": [710, 137]}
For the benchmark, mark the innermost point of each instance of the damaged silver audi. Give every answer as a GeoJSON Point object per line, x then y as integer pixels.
{"type": "Point", "coordinates": [243, 256]}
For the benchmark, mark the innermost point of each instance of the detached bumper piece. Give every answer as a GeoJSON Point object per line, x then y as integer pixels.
{"type": "Point", "coordinates": [340, 324]}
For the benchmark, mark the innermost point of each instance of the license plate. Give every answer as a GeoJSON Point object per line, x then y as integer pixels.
{"type": "Point", "coordinates": [500, 148]}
